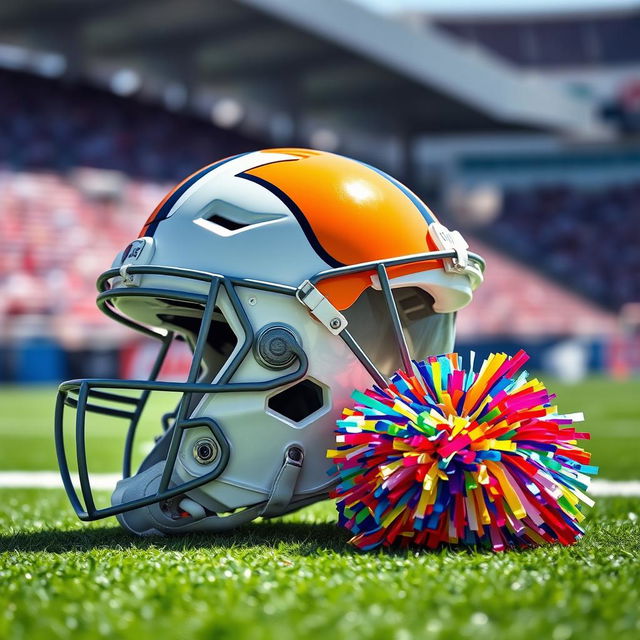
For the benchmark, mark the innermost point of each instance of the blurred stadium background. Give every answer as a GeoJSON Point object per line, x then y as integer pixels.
{"type": "Point", "coordinates": [522, 130]}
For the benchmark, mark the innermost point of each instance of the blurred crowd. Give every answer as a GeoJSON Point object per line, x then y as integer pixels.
{"type": "Point", "coordinates": [586, 238]}
{"type": "Point", "coordinates": [60, 225]}
{"type": "Point", "coordinates": [57, 234]}
{"type": "Point", "coordinates": [52, 124]}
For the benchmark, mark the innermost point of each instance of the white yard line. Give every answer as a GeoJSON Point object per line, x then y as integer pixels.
{"type": "Point", "coordinates": [107, 481]}
{"type": "Point", "coordinates": [602, 487]}
{"type": "Point", "coordinates": [52, 480]}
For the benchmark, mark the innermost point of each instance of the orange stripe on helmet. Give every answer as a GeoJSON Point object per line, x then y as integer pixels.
{"type": "Point", "coordinates": [356, 214]}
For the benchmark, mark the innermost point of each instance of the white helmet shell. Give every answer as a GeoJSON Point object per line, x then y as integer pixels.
{"type": "Point", "coordinates": [289, 255]}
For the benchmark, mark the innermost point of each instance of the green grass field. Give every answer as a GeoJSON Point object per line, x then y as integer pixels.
{"type": "Point", "coordinates": [297, 577]}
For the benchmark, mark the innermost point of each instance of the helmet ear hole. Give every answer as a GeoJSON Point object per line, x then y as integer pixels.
{"type": "Point", "coordinates": [276, 346]}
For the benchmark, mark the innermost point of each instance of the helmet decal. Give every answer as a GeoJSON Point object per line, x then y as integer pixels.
{"type": "Point", "coordinates": [336, 199]}
{"type": "Point", "coordinates": [295, 210]}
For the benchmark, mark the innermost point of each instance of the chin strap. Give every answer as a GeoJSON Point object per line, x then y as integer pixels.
{"type": "Point", "coordinates": [151, 520]}
{"type": "Point", "coordinates": [285, 483]}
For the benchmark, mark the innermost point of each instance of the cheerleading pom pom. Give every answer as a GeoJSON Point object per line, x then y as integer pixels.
{"type": "Point", "coordinates": [445, 455]}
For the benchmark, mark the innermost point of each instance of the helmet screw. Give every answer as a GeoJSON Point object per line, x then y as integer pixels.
{"type": "Point", "coordinates": [252, 301]}
{"type": "Point", "coordinates": [335, 323]}
{"type": "Point", "coordinates": [295, 454]}
{"type": "Point", "coordinates": [205, 450]}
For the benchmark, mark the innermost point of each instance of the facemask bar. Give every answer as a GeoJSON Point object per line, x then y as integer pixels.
{"type": "Point", "coordinates": [93, 388]}
{"type": "Point", "coordinates": [380, 267]}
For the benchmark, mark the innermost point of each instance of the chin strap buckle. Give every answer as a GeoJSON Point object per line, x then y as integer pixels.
{"type": "Point", "coordinates": [126, 279]}
{"type": "Point", "coordinates": [321, 309]}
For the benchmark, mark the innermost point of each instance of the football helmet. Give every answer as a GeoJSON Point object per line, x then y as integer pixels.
{"type": "Point", "coordinates": [295, 276]}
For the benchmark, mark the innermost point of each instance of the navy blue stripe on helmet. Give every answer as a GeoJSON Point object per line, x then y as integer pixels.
{"type": "Point", "coordinates": [299, 216]}
{"type": "Point", "coordinates": [168, 205]}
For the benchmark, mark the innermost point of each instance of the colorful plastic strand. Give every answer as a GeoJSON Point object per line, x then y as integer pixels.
{"type": "Point", "coordinates": [454, 456]}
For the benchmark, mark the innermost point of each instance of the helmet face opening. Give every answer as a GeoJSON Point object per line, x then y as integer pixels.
{"type": "Point", "coordinates": [184, 319]}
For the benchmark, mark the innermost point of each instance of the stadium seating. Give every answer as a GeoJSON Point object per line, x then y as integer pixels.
{"type": "Point", "coordinates": [60, 226]}
{"type": "Point", "coordinates": [55, 238]}
{"type": "Point", "coordinates": [515, 301]}
{"type": "Point", "coordinates": [554, 41]}
{"type": "Point", "coordinates": [52, 124]}
{"type": "Point", "coordinates": [585, 238]}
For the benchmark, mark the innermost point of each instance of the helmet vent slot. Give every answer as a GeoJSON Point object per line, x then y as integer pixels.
{"type": "Point", "coordinates": [231, 225]}
{"type": "Point", "coordinates": [298, 402]}
{"type": "Point", "coordinates": [220, 215]}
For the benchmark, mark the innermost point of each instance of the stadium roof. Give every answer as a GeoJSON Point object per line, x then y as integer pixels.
{"type": "Point", "coordinates": [606, 37]}
{"type": "Point", "coordinates": [332, 61]}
